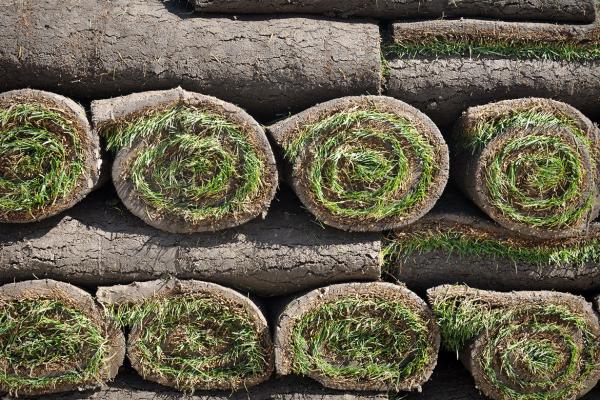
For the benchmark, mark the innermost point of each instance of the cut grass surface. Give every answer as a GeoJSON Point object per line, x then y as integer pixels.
{"type": "Point", "coordinates": [362, 163]}
{"type": "Point", "coordinates": [194, 341]}
{"type": "Point", "coordinates": [41, 159]}
{"type": "Point", "coordinates": [191, 163]}
{"type": "Point", "coordinates": [370, 340]}
{"type": "Point", "coordinates": [465, 244]}
{"type": "Point", "coordinates": [525, 351]}
{"type": "Point", "coordinates": [47, 343]}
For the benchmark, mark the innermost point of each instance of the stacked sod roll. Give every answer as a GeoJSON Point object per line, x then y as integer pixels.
{"type": "Point", "coordinates": [531, 165]}
{"type": "Point", "coordinates": [521, 345]}
{"type": "Point", "coordinates": [187, 162]}
{"type": "Point", "coordinates": [54, 338]}
{"type": "Point", "coordinates": [366, 163]}
{"type": "Point", "coordinates": [49, 157]}
{"type": "Point", "coordinates": [192, 335]}
{"type": "Point", "coordinates": [371, 336]}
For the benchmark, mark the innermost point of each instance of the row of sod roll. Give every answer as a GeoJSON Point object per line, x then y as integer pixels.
{"type": "Point", "coordinates": [195, 336]}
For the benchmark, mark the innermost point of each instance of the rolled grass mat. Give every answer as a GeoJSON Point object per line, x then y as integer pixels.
{"type": "Point", "coordinates": [54, 338]}
{"type": "Point", "coordinates": [545, 10]}
{"type": "Point", "coordinates": [90, 50]}
{"type": "Point", "coordinates": [187, 162]}
{"type": "Point", "coordinates": [366, 163]}
{"type": "Point", "coordinates": [192, 335]}
{"type": "Point", "coordinates": [100, 243]}
{"type": "Point", "coordinates": [531, 165]}
{"type": "Point", "coordinates": [521, 345]}
{"type": "Point", "coordinates": [457, 243]}
{"type": "Point", "coordinates": [358, 336]}
{"type": "Point", "coordinates": [49, 158]}
{"type": "Point", "coordinates": [443, 67]}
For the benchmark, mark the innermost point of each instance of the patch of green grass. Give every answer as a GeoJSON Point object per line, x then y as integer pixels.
{"type": "Point", "coordinates": [362, 340]}
{"type": "Point", "coordinates": [195, 341]}
{"type": "Point", "coordinates": [193, 163]}
{"type": "Point", "coordinates": [455, 242]}
{"type": "Point", "coordinates": [530, 351]}
{"type": "Point", "coordinates": [41, 158]}
{"type": "Point", "coordinates": [47, 343]}
{"type": "Point", "coordinates": [483, 48]}
{"type": "Point", "coordinates": [359, 164]}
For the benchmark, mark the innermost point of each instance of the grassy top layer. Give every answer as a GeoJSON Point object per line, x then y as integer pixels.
{"type": "Point", "coordinates": [41, 159]}
{"type": "Point", "coordinates": [363, 340]}
{"type": "Point", "coordinates": [47, 343]}
{"type": "Point", "coordinates": [194, 341]}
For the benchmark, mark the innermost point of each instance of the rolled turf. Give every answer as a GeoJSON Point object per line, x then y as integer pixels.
{"type": "Point", "coordinates": [521, 345]}
{"type": "Point", "coordinates": [444, 66]}
{"type": "Point", "coordinates": [358, 336]}
{"type": "Point", "coordinates": [90, 50]}
{"type": "Point", "coordinates": [366, 163]}
{"type": "Point", "coordinates": [54, 338]}
{"type": "Point", "coordinates": [49, 158]}
{"type": "Point", "coordinates": [192, 335]}
{"type": "Point", "coordinates": [531, 165]}
{"type": "Point", "coordinates": [545, 10]}
{"type": "Point", "coordinates": [187, 162]}
{"type": "Point", "coordinates": [458, 243]}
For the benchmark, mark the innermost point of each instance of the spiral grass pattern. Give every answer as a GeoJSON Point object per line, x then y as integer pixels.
{"type": "Point", "coordinates": [193, 167]}
{"type": "Point", "coordinates": [195, 341]}
{"type": "Point", "coordinates": [535, 169]}
{"type": "Point", "coordinates": [521, 347]}
{"type": "Point", "coordinates": [365, 339]}
{"type": "Point", "coordinates": [369, 164]}
{"type": "Point", "coordinates": [42, 160]}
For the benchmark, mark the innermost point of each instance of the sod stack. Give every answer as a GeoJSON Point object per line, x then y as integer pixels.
{"type": "Point", "coordinates": [521, 345]}
{"type": "Point", "coordinates": [545, 10]}
{"type": "Point", "coordinates": [192, 335]}
{"type": "Point", "coordinates": [368, 163]}
{"type": "Point", "coordinates": [358, 336]}
{"type": "Point", "coordinates": [187, 162]}
{"type": "Point", "coordinates": [49, 158]}
{"type": "Point", "coordinates": [90, 50]}
{"type": "Point", "coordinates": [457, 242]}
{"type": "Point", "coordinates": [54, 338]}
{"type": "Point", "coordinates": [444, 66]}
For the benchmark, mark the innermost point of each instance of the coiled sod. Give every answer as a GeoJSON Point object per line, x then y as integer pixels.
{"type": "Point", "coordinates": [365, 164]}
{"type": "Point", "coordinates": [47, 155]}
{"type": "Point", "coordinates": [523, 345]}
{"type": "Point", "coordinates": [197, 341]}
{"type": "Point", "coordinates": [360, 340]}
{"type": "Point", "coordinates": [531, 165]}
{"type": "Point", "coordinates": [54, 342]}
{"type": "Point", "coordinates": [192, 168]}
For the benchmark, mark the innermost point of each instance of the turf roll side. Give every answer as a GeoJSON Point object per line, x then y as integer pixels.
{"type": "Point", "coordinates": [366, 163]}
{"type": "Point", "coordinates": [521, 345]}
{"type": "Point", "coordinates": [55, 338]}
{"type": "Point", "coordinates": [49, 157]}
{"type": "Point", "coordinates": [186, 162]}
{"type": "Point", "coordinates": [358, 336]}
{"type": "Point", "coordinates": [192, 335]}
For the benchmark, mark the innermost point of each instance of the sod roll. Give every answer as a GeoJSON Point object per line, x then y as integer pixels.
{"type": "Point", "coordinates": [444, 66]}
{"type": "Point", "coordinates": [544, 10]}
{"type": "Point", "coordinates": [90, 49]}
{"type": "Point", "coordinates": [54, 338]}
{"type": "Point", "coordinates": [192, 335]}
{"type": "Point", "coordinates": [366, 163]}
{"type": "Point", "coordinates": [530, 164]}
{"type": "Point", "coordinates": [458, 243]}
{"type": "Point", "coordinates": [358, 336]}
{"type": "Point", "coordinates": [187, 162]}
{"type": "Point", "coordinates": [49, 158]}
{"type": "Point", "coordinates": [521, 345]}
